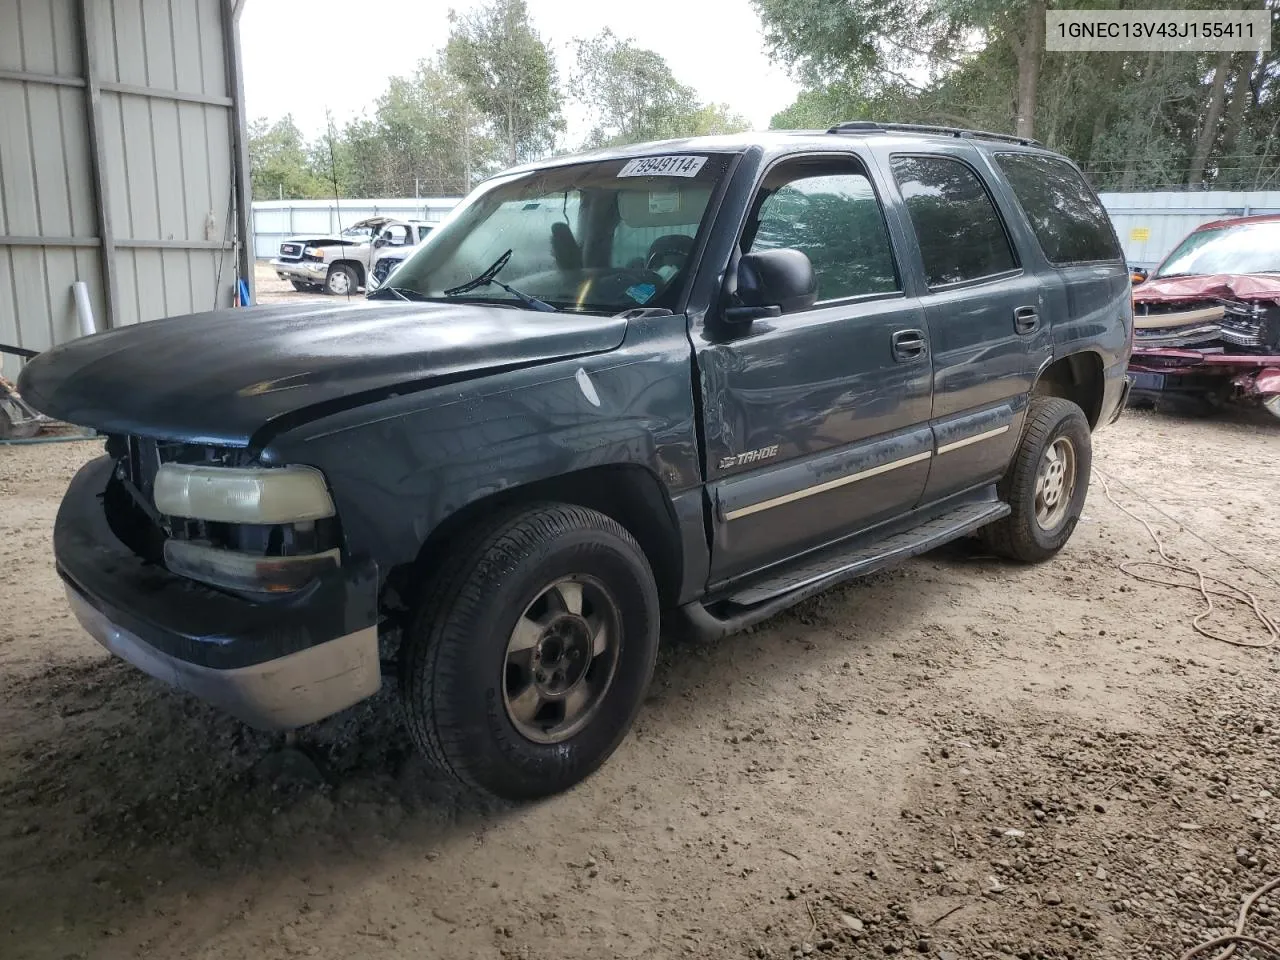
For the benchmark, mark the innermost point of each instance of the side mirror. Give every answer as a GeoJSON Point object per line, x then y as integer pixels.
{"type": "Point", "coordinates": [771, 283]}
{"type": "Point", "coordinates": [380, 240]}
{"type": "Point", "coordinates": [1137, 275]}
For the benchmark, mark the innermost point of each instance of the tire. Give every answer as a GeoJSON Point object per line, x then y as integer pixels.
{"type": "Point", "coordinates": [1032, 532]}
{"type": "Point", "coordinates": [464, 685]}
{"type": "Point", "coordinates": [341, 281]}
{"type": "Point", "coordinates": [303, 287]}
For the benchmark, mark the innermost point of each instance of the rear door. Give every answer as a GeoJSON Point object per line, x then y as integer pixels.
{"type": "Point", "coordinates": [985, 313]}
{"type": "Point", "coordinates": [816, 422]}
{"type": "Point", "coordinates": [1087, 282]}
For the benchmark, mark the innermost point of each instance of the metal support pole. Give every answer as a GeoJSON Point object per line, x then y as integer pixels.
{"type": "Point", "coordinates": [97, 150]}
{"type": "Point", "coordinates": [239, 140]}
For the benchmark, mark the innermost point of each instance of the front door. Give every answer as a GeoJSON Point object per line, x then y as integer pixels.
{"type": "Point", "coordinates": [817, 421]}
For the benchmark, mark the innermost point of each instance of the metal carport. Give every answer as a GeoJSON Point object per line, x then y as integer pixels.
{"type": "Point", "coordinates": [123, 163]}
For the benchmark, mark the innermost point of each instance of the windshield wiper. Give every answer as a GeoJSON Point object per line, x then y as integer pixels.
{"type": "Point", "coordinates": [490, 275]}
{"type": "Point", "coordinates": [400, 293]}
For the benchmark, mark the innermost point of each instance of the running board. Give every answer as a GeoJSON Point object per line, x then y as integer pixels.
{"type": "Point", "coordinates": [813, 574]}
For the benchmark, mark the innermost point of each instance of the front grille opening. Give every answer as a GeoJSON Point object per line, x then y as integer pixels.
{"type": "Point", "coordinates": [268, 540]}
{"type": "Point", "coordinates": [130, 506]}
{"type": "Point", "coordinates": [130, 522]}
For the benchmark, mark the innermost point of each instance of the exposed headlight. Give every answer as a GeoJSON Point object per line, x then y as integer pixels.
{"type": "Point", "coordinates": [312, 252]}
{"type": "Point", "coordinates": [245, 572]}
{"type": "Point", "coordinates": [242, 494]}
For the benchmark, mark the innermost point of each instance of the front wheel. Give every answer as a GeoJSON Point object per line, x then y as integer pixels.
{"type": "Point", "coordinates": [341, 280]}
{"type": "Point", "coordinates": [532, 651]}
{"type": "Point", "coordinates": [1046, 483]}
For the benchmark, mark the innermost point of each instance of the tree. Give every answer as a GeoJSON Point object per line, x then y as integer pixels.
{"type": "Point", "coordinates": [509, 75]}
{"type": "Point", "coordinates": [426, 137]}
{"type": "Point", "coordinates": [632, 96]}
{"type": "Point", "coordinates": [862, 42]}
{"type": "Point", "coordinates": [278, 162]}
{"type": "Point", "coordinates": [1133, 120]}
{"type": "Point", "coordinates": [820, 108]}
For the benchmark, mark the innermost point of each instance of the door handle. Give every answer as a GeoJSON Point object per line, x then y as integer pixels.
{"type": "Point", "coordinates": [1025, 319]}
{"type": "Point", "coordinates": [909, 345]}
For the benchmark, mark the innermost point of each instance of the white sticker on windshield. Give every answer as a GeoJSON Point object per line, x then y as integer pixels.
{"type": "Point", "coordinates": [664, 202]}
{"type": "Point", "coordinates": [675, 166]}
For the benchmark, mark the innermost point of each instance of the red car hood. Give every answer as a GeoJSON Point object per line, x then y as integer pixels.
{"type": "Point", "coordinates": [1231, 286]}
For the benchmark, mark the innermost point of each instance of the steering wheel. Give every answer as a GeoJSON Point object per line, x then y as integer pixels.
{"type": "Point", "coordinates": [670, 250]}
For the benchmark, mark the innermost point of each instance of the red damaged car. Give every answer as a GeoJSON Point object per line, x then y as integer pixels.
{"type": "Point", "coordinates": [1207, 320]}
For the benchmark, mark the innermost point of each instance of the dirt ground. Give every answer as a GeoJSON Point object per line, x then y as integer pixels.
{"type": "Point", "coordinates": [958, 759]}
{"type": "Point", "coordinates": [269, 288]}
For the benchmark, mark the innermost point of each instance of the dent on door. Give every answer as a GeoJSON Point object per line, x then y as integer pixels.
{"type": "Point", "coordinates": [806, 444]}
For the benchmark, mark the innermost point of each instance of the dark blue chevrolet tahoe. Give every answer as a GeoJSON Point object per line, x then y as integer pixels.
{"type": "Point", "coordinates": [694, 381]}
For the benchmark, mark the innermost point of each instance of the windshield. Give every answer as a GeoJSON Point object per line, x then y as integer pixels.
{"type": "Point", "coordinates": [599, 237]}
{"type": "Point", "coordinates": [1238, 248]}
{"type": "Point", "coordinates": [358, 230]}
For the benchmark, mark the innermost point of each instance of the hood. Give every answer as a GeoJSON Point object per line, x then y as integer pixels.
{"type": "Point", "coordinates": [222, 377]}
{"type": "Point", "coordinates": [1228, 286]}
{"type": "Point", "coordinates": [327, 239]}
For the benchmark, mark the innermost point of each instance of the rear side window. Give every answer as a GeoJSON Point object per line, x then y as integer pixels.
{"type": "Point", "coordinates": [828, 210]}
{"type": "Point", "coordinates": [1064, 213]}
{"type": "Point", "coordinates": [961, 235]}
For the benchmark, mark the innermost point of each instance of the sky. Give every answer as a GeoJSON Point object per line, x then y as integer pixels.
{"type": "Point", "coordinates": [714, 46]}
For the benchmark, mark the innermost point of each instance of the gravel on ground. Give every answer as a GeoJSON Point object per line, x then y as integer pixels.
{"type": "Point", "coordinates": [960, 758]}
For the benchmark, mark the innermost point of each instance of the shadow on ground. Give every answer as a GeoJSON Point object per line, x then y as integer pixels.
{"type": "Point", "coordinates": [133, 786]}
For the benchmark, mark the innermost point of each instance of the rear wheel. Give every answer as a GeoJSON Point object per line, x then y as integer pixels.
{"type": "Point", "coordinates": [1046, 483]}
{"type": "Point", "coordinates": [341, 280]}
{"type": "Point", "coordinates": [530, 656]}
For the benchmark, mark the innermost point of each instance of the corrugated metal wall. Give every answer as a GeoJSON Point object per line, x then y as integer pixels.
{"type": "Point", "coordinates": [276, 220]}
{"type": "Point", "coordinates": [46, 189]}
{"type": "Point", "coordinates": [1151, 224]}
{"type": "Point", "coordinates": [119, 168]}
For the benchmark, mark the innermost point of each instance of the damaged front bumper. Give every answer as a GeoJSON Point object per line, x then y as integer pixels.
{"type": "Point", "coordinates": [303, 271]}
{"type": "Point", "coordinates": [1247, 377]}
{"type": "Point", "coordinates": [275, 664]}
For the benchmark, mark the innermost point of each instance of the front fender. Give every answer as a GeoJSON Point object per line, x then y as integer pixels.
{"type": "Point", "coordinates": [400, 467]}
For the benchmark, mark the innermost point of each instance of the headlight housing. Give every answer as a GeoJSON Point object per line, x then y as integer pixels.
{"type": "Point", "coordinates": [312, 252]}
{"type": "Point", "coordinates": [242, 494]}
{"type": "Point", "coordinates": [246, 573]}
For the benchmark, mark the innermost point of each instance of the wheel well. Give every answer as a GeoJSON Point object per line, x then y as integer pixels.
{"type": "Point", "coordinates": [355, 265]}
{"type": "Point", "coordinates": [1077, 378]}
{"type": "Point", "coordinates": [629, 494]}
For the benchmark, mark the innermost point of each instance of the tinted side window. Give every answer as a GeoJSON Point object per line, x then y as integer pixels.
{"type": "Point", "coordinates": [835, 219]}
{"type": "Point", "coordinates": [961, 235]}
{"type": "Point", "coordinates": [1067, 217]}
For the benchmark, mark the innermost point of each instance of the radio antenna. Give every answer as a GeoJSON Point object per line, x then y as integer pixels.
{"type": "Point", "coordinates": [333, 175]}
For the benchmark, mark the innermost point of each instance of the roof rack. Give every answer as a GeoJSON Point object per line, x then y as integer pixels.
{"type": "Point", "coordinates": [871, 126]}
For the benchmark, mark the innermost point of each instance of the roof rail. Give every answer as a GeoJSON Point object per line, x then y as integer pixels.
{"type": "Point", "coordinates": [871, 126]}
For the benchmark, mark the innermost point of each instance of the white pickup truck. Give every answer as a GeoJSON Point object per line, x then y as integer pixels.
{"type": "Point", "coordinates": [340, 263]}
